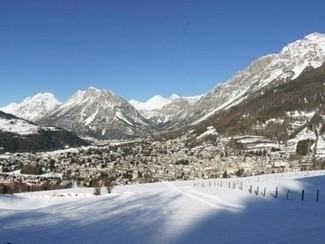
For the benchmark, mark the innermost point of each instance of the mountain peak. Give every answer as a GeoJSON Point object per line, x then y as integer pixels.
{"type": "Point", "coordinates": [314, 42]}
{"type": "Point", "coordinates": [100, 114]}
{"type": "Point", "coordinates": [94, 90]}
{"type": "Point", "coordinates": [35, 107]}
{"type": "Point", "coordinates": [315, 36]}
{"type": "Point", "coordinates": [174, 97]}
{"type": "Point", "coordinates": [91, 93]}
{"type": "Point", "coordinates": [158, 100]}
{"type": "Point", "coordinates": [154, 103]}
{"type": "Point", "coordinates": [44, 95]}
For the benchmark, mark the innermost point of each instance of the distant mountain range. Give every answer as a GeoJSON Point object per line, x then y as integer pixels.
{"type": "Point", "coordinates": [101, 114]}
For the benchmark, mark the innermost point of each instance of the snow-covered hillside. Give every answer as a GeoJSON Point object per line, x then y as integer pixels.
{"type": "Point", "coordinates": [202, 211]}
{"type": "Point", "coordinates": [33, 108]}
{"type": "Point", "coordinates": [17, 134]}
{"type": "Point", "coordinates": [18, 126]}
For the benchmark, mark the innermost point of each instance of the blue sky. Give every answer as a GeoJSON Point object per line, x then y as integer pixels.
{"type": "Point", "coordinates": [141, 48]}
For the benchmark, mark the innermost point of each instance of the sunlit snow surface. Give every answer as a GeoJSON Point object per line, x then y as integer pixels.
{"type": "Point", "coordinates": [171, 212]}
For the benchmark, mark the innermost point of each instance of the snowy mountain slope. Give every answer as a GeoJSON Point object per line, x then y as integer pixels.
{"type": "Point", "coordinates": [100, 114]}
{"type": "Point", "coordinates": [175, 212]}
{"type": "Point", "coordinates": [21, 135]}
{"type": "Point", "coordinates": [33, 108]}
{"type": "Point", "coordinates": [267, 71]}
{"type": "Point", "coordinates": [161, 110]}
{"type": "Point", "coordinates": [20, 127]}
{"type": "Point", "coordinates": [171, 112]}
{"type": "Point", "coordinates": [288, 115]}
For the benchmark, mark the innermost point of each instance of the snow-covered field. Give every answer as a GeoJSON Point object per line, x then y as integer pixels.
{"type": "Point", "coordinates": [202, 211]}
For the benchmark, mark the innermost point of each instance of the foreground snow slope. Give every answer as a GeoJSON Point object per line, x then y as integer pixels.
{"type": "Point", "coordinates": [173, 212]}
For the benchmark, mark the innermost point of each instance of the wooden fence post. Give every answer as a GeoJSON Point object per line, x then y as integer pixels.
{"type": "Point", "coordinates": [276, 192]}
{"type": "Point", "coordinates": [257, 190]}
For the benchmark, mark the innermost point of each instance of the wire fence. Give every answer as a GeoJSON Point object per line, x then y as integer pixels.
{"type": "Point", "coordinates": [272, 186]}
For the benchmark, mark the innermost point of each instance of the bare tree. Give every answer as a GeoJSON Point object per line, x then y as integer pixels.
{"type": "Point", "coordinates": [97, 191]}
{"type": "Point", "coordinates": [109, 184]}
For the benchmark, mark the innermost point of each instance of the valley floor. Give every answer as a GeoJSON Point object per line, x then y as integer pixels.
{"type": "Point", "coordinates": [202, 211]}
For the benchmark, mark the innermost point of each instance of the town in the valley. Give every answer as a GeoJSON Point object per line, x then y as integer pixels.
{"type": "Point", "coordinates": [150, 161]}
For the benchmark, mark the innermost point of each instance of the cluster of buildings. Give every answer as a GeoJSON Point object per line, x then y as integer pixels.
{"type": "Point", "coordinates": [141, 162]}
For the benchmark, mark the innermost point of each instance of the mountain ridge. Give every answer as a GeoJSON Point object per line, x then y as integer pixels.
{"type": "Point", "coordinates": [105, 115]}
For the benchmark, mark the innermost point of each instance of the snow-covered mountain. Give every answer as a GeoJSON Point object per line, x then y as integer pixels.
{"type": "Point", "coordinates": [160, 110]}
{"type": "Point", "coordinates": [33, 108]}
{"type": "Point", "coordinates": [151, 107]}
{"type": "Point", "coordinates": [267, 71]}
{"type": "Point", "coordinates": [104, 115]}
{"type": "Point", "coordinates": [154, 103]}
{"type": "Point", "coordinates": [17, 134]}
{"type": "Point", "coordinates": [173, 111]}
{"type": "Point", "coordinates": [289, 117]}
{"type": "Point", "coordinates": [100, 114]}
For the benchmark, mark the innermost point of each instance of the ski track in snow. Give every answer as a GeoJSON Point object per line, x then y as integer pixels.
{"type": "Point", "coordinates": [208, 200]}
